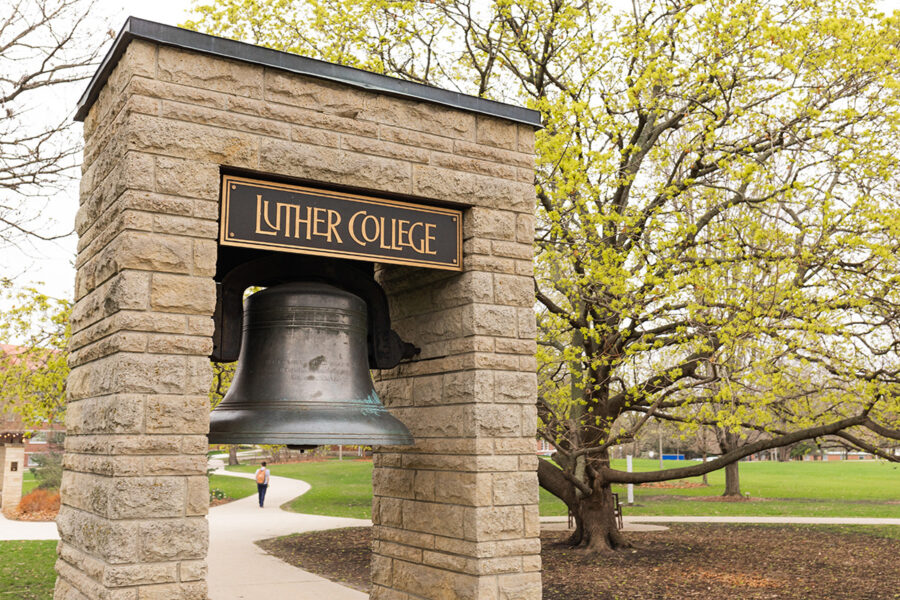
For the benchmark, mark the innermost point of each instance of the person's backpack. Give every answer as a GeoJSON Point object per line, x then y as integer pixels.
{"type": "Point", "coordinates": [261, 476]}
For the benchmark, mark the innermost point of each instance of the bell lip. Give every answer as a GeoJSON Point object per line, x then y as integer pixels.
{"type": "Point", "coordinates": [313, 440]}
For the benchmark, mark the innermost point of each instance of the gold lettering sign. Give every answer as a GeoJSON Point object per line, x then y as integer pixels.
{"type": "Point", "coordinates": [292, 218]}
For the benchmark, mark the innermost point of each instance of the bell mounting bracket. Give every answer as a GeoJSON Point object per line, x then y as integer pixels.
{"type": "Point", "coordinates": [236, 274]}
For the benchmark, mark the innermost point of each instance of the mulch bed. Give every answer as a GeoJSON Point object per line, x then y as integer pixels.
{"type": "Point", "coordinates": [14, 514]}
{"type": "Point", "coordinates": [689, 561]}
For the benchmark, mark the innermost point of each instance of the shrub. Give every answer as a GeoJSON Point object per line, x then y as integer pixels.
{"type": "Point", "coordinates": [216, 494]}
{"type": "Point", "coordinates": [39, 501]}
{"type": "Point", "coordinates": [47, 470]}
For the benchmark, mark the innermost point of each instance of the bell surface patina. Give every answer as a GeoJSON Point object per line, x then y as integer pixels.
{"type": "Point", "coordinates": [302, 376]}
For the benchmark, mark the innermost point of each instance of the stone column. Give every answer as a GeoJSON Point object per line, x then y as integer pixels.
{"type": "Point", "coordinates": [456, 516]}
{"type": "Point", "coordinates": [11, 481]}
{"type": "Point", "coordinates": [134, 489]}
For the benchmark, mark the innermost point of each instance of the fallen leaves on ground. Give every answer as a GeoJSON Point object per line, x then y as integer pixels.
{"type": "Point", "coordinates": [689, 561]}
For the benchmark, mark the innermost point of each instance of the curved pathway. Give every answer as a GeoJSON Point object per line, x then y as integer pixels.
{"type": "Point", "coordinates": [239, 569]}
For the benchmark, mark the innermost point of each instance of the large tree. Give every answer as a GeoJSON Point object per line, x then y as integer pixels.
{"type": "Point", "coordinates": [718, 222]}
{"type": "Point", "coordinates": [45, 46]}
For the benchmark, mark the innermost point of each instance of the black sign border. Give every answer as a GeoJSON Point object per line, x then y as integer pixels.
{"type": "Point", "coordinates": [223, 224]}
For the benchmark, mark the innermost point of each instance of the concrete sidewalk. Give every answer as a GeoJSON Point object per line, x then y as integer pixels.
{"type": "Point", "coordinates": [239, 569]}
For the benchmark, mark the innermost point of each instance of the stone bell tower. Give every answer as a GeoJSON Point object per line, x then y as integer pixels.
{"type": "Point", "coordinates": [168, 117]}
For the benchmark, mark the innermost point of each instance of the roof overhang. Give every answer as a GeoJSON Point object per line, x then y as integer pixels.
{"type": "Point", "coordinates": [158, 33]}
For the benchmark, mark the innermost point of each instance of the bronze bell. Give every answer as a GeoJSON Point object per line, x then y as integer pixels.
{"type": "Point", "coordinates": [302, 376]}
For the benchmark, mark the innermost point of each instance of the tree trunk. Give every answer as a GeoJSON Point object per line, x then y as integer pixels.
{"type": "Point", "coordinates": [600, 533]}
{"type": "Point", "coordinates": [732, 480]}
{"type": "Point", "coordinates": [232, 455]}
{"type": "Point", "coordinates": [595, 522]}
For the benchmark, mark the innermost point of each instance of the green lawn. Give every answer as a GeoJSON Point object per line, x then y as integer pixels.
{"type": "Point", "coordinates": [28, 482]}
{"type": "Point", "coordinates": [815, 489]}
{"type": "Point", "coordinates": [340, 488]}
{"type": "Point", "coordinates": [26, 570]}
{"type": "Point", "coordinates": [234, 487]}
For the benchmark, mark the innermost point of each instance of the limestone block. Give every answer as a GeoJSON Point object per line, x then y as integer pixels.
{"type": "Point", "coordinates": [418, 139]}
{"type": "Point", "coordinates": [404, 536]}
{"type": "Point", "coordinates": [427, 391]}
{"type": "Point", "coordinates": [515, 387]}
{"type": "Point", "coordinates": [197, 496]}
{"type": "Point", "coordinates": [512, 250]}
{"type": "Point", "coordinates": [527, 323]}
{"type": "Point", "coordinates": [80, 585]}
{"type": "Point", "coordinates": [132, 373]}
{"type": "Point", "coordinates": [185, 226]}
{"type": "Point", "coordinates": [490, 319]}
{"type": "Point", "coordinates": [451, 562]}
{"type": "Point", "coordinates": [365, 145]}
{"type": "Point", "coordinates": [491, 224]}
{"type": "Point", "coordinates": [127, 575]}
{"type": "Point", "coordinates": [397, 483]}
{"type": "Point", "coordinates": [194, 590]}
{"type": "Point", "coordinates": [438, 519]}
{"type": "Point", "coordinates": [511, 346]}
{"type": "Point", "coordinates": [432, 421]}
{"type": "Point", "coordinates": [175, 465]}
{"type": "Point", "coordinates": [145, 251]}
{"type": "Point", "coordinates": [177, 414]}
{"type": "Point", "coordinates": [433, 583]}
{"type": "Point", "coordinates": [465, 188]}
{"type": "Point", "coordinates": [465, 489]}
{"type": "Point", "coordinates": [186, 94]}
{"type": "Point", "coordinates": [468, 387]}
{"type": "Point", "coordinates": [520, 586]}
{"type": "Point", "coordinates": [115, 542]}
{"type": "Point", "coordinates": [187, 178]}
{"type": "Point", "coordinates": [525, 228]}
{"type": "Point", "coordinates": [179, 344]}
{"type": "Point", "coordinates": [192, 570]}
{"type": "Point", "coordinates": [316, 137]}
{"type": "Point", "coordinates": [381, 570]}
{"type": "Point", "coordinates": [424, 485]}
{"type": "Point", "coordinates": [110, 466]}
{"type": "Point", "coordinates": [189, 295]}
{"type": "Point", "coordinates": [314, 94]}
{"type": "Point", "coordinates": [209, 72]}
{"type": "Point", "coordinates": [173, 539]}
{"type": "Point", "coordinates": [515, 488]}
{"type": "Point", "coordinates": [326, 164]}
{"type": "Point", "coordinates": [526, 139]}
{"type": "Point", "coordinates": [139, 59]}
{"type": "Point", "coordinates": [428, 118]}
{"type": "Point", "coordinates": [122, 413]}
{"type": "Point", "coordinates": [124, 291]}
{"type": "Point", "coordinates": [192, 141]}
{"type": "Point", "coordinates": [146, 497]}
{"type": "Point", "coordinates": [224, 119]}
{"type": "Point", "coordinates": [513, 290]}
{"type": "Point", "coordinates": [392, 550]}
{"type": "Point", "coordinates": [468, 287]}
{"type": "Point", "coordinates": [473, 165]}
{"type": "Point", "coordinates": [488, 153]}
{"type": "Point", "coordinates": [496, 132]}
{"type": "Point", "coordinates": [194, 444]}
{"type": "Point", "coordinates": [522, 445]}
{"type": "Point", "coordinates": [495, 523]}
{"type": "Point", "coordinates": [496, 420]}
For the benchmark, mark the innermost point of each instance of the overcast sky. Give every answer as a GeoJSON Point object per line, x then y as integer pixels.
{"type": "Point", "coordinates": [51, 264]}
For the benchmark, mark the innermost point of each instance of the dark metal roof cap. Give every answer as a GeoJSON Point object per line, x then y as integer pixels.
{"type": "Point", "coordinates": [135, 28]}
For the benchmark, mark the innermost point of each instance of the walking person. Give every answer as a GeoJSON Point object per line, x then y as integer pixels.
{"type": "Point", "coordinates": [262, 482]}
